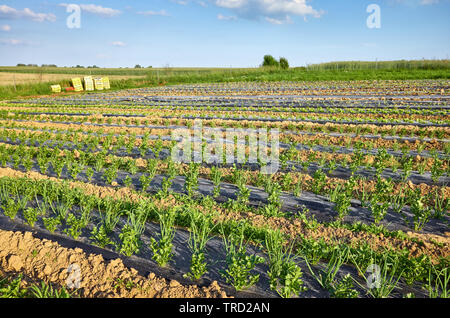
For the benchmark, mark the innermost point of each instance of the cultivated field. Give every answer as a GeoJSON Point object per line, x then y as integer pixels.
{"type": "Point", "coordinates": [358, 207]}
{"type": "Point", "coordinates": [125, 78]}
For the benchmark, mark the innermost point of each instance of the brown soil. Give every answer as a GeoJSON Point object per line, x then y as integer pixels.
{"type": "Point", "coordinates": [48, 261]}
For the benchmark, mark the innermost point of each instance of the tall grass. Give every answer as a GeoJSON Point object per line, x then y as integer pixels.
{"type": "Point", "coordinates": [382, 65]}
{"type": "Point", "coordinates": [29, 89]}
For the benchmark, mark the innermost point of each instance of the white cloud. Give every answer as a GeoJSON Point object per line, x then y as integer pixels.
{"type": "Point", "coordinates": [12, 13]}
{"type": "Point", "coordinates": [5, 28]}
{"type": "Point", "coordinates": [287, 19]}
{"type": "Point", "coordinates": [118, 43]}
{"type": "Point", "coordinates": [97, 10]}
{"type": "Point", "coordinates": [202, 3]}
{"type": "Point", "coordinates": [231, 4]}
{"type": "Point", "coordinates": [152, 13]}
{"type": "Point", "coordinates": [273, 11]}
{"type": "Point", "coordinates": [226, 18]}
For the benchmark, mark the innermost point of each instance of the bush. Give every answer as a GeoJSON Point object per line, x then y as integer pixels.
{"type": "Point", "coordinates": [284, 64]}
{"type": "Point", "coordinates": [269, 60]}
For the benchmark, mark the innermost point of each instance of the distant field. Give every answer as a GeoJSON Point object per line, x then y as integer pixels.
{"type": "Point", "coordinates": [11, 78]}
{"type": "Point", "coordinates": [113, 71]}
{"type": "Point", "coordinates": [31, 81]}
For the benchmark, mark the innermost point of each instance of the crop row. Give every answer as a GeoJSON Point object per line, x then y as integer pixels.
{"type": "Point", "coordinates": [290, 126]}
{"type": "Point", "coordinates": [378, 195]}
{"type": "Point", "coordinates": [307, 139]}
{"type": "Point", "coordinates": [419, 87]}
{"type": "Point", "coordinates": [61, 206]}
{"type": "Point", "coordinates": [227, 106]}
{"type": "Point", "coordinates": [132, 145]}
{"type": "Point", "coordinates": [238, 114]}
{"type": "Point", "coordinates": [379, 162]}
{"type": "Point", "coordinates": [377, 119]}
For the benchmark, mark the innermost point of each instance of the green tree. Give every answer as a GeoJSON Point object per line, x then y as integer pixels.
{"type": "Point", "coordinates": [269, 60]}
{"type": "Point", "coordinates": [284, 64]}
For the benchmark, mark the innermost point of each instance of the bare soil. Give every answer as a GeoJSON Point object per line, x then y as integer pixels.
{"type": "Point", "coordinates": [46, 260]}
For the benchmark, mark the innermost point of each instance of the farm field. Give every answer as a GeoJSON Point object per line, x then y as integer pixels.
{"type": "Point", "coordinates": [357, 207]}
{"type": "Point", "coordinates": [35, 81]}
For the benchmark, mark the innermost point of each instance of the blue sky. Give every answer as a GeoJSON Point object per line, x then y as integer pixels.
{"type": "Point", "coordinates": [220, 33]}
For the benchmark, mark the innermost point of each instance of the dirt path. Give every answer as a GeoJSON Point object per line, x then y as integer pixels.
{"type": "Point", "coordinates": [46, 260]}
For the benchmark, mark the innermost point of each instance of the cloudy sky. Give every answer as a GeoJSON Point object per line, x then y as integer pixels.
{"type": "Point", "coordinates": [220, 33]}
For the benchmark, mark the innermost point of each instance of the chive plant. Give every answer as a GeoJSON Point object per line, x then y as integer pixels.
{"type": "Point", "coordinates": [201, 227]}
{"type": "Point", "coordinates": [383, 278]}
{"type": "Point", "coordinates": [100, 233]}
{"type": "Point", "coordinates": [274, 190]}
{"type": "Point", "coordinates": [327, 277]}
{"type": "Point", "coordinates": [75, 225]}
{"type": "Point", "coordinates": [438, 282]}
{"type": "Point", "coordinates": [239, 264]}
{"type": "Point", "coordinates": [162, 249]}
{"type": "Point", "coordinates": [441, 204]}
{"type": "Point", "coordinates": [379, 201]}
{"type": "Point", "coordinates": [284, 274]}
{"type": "Point", "coordinates": [130, 235]}
{"type": "Point", "coordinates": [191, 179]}
{"type": "Point", "coordinates": [421, 212]}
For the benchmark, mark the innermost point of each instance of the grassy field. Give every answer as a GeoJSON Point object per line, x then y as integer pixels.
{"type": "Point", "coordinates": [383, 65]}
{"type": "Point", "coordinates": [343, 65]}
{"type": "Point", "coordinates": [11, 78]}
{"type": "Point", "coordinates": [122, 78]}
